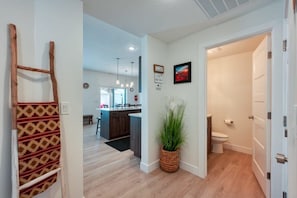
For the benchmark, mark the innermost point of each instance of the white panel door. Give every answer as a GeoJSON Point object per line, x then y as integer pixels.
{"type": "Point", "coordinates": [291, 94]}
{"type": "Point", "coordinates": [261, 105]}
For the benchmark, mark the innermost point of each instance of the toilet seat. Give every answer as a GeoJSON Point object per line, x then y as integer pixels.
{"type": "Point", "coordinates": [218, 135]}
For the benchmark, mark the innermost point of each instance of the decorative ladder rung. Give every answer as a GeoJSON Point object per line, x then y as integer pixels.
{"type": "Point", "coordinates": [33, 69]}
{"type": "Point", "coordinates": [38, 179]}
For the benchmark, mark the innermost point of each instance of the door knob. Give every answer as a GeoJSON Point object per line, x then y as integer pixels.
{"type": "Point", "coordinates": [281, 158]}
{"type": "Point", "coordinates": [251, 117]}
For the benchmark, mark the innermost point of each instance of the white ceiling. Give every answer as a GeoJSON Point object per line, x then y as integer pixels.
{"type": "Point", "coordinates": [110, 26]}
{"type": "Point", "coordinates": [244, 45]}
{"type": "Point", "coordinates": [103, 43]}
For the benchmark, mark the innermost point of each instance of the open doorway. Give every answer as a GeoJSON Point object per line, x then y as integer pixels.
{"type": "Point", "coordinates": [238, 97]}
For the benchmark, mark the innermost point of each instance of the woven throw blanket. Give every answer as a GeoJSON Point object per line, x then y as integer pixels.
{"type": "Point", "coordinates": [38, 132]}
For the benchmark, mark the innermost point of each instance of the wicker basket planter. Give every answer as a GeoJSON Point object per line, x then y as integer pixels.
{"type": "Point", "coordinates": [169, 160]}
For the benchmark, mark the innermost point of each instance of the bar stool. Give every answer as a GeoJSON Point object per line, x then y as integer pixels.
{"type": "Point", "coordinates": [98, 124]}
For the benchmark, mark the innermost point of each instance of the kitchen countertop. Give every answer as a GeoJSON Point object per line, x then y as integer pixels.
{"type": "Point", "coordinates": [119, 108]}
{"type": "Point", "coordinates": [137, 115]}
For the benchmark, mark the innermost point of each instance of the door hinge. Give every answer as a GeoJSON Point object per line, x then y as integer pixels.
{"type": "Point", "coordinates": [269, 55]}
{"type": "Point", "coordinates": [285, 121]}
{"type": "Point", "coordinates": [269, 115]}
{"type": "Point", "coordinates": [286, 133]}
{"type": "Point", "coordinates": [284, 194]}
{"type": "Point", "coordinates": [284, 45]}
{"type": "Point", "coordinates": [268, 175]}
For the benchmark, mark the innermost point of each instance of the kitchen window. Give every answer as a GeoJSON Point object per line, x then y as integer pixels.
{"type": "Point", "coordinates": [112, 97]}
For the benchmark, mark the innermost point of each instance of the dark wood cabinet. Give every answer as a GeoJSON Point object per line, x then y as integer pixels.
{"type": "Point", "coordinates": [124, 123]}
{"type": "Point", "coordinates": [135, 135]}
{"type": "Point", "coordinates": [115, 123]}
{"type": "Point", "coordinates": [114, 130]}
{"type": "Point", "coordinates": [209, 129]}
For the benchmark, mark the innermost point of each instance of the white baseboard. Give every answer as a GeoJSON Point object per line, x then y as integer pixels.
{"type": "Point", "coordinates": [189, 167]}
{"type": "Point", "coordinates": [147, 168]}
{"type": "Point", "coordinates": [237, 148]}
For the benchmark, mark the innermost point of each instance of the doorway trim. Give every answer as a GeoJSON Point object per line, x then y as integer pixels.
{"type": "Point", "coordinates": [275, 29]}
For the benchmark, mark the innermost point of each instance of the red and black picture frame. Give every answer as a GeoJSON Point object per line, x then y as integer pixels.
{"type": "Point", "coordinates": [182, 73]}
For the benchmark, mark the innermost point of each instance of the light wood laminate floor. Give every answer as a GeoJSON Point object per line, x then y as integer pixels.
{"type": "Point", "coordinates": [109, 173]}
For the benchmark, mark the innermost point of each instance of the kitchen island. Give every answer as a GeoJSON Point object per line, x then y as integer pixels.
{"type": "Point", "coordinates": [115, 122]}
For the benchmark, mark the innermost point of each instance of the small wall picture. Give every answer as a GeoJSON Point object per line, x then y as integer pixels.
{"type": "Point", "coordinates": [182, 73]}
{"type": "Point", "coordinates": [158, 68]}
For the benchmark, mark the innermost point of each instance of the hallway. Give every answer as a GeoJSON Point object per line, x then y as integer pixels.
{"type": "Point", "coordinates": [110, 173]}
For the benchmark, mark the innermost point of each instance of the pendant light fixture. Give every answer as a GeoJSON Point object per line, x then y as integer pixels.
{"type": "Point", "coordinates": [127, 84]}
{"type": "Point", "coordinates": [132, 83]}
{"type": "Point", "coordinates": [122, 84]}
{"type": "Point", "coordinates": [118, 81]}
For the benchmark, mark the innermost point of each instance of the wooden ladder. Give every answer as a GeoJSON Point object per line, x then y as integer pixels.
{"type": "Point", "coordinates": [36, 136]}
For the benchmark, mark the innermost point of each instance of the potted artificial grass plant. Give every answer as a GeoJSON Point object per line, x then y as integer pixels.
{"type": "Point", "coordinates": [172, 137]}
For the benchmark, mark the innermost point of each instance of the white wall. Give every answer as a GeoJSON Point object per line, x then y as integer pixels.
{"type": "Point", "coordinates": [229, 96]}
{"type": "Point", "coordinates": [192, 48]}
{"type": "Point", "coordinates": [11, 11]}
{"type": "Point", "coordinates": [37, 23]}
{"type": "Point", "coordinates": [54, 20]}
{"type": "Point", "coordinates": [96, 80]}
{"type": "Point", "coordinates": [182, 51]}
{"type": "Point", "coordinates": [154, 51]}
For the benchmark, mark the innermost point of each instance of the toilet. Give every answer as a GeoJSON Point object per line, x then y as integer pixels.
{"type": "Point", "coordinates": [217, 140]}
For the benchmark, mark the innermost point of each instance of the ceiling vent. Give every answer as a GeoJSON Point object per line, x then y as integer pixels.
{"type": "Point", "coordinates": [213, 8]}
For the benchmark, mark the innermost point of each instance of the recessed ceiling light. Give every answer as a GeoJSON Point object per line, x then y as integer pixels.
{"type": "Point", "coordinates": [210, 51]}
{"type": "Point", "coordinates": [131, 48]}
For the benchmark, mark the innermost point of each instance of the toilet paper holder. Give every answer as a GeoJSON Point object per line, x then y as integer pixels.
{"type": "Point", "coordinates": [228, 122]}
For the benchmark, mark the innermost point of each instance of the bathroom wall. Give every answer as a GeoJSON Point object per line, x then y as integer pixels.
{"type": "Point", "coordinates": [229, 87]}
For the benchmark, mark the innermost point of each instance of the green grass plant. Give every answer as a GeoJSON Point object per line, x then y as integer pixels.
{"type": "Point", "coordinates": [172, 136]}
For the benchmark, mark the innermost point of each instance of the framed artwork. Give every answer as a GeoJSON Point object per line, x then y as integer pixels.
{"type": "Point", "coordinates": [182, 73]}
{"type": "Point", "coordinates": [158, 68]}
